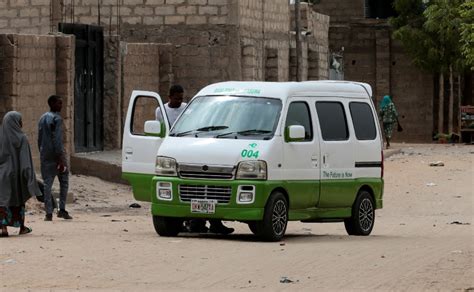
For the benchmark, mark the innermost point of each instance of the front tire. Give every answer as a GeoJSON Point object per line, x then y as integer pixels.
{"type": "Point", "coordinates": [253, 227]}
{"type": "Point", "coordinates": [275, 218]}
{"type": "Point", "coordinates": [362, 220]}
{"type": "Point", "coordinates": [167, 226]}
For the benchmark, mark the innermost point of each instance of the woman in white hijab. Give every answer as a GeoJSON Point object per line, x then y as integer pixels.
{"type": "Point", "coordinates": [17, 175]}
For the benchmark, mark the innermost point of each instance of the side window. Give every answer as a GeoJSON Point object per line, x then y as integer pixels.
{"type": "Point", "coordinates": [144, 109]}
{"type": "Point", "coordinates": [332, 120]}
{"type": "Point", "coordinates": [298, 114]}
{"type": "Point", "coordinates": [363, 120]}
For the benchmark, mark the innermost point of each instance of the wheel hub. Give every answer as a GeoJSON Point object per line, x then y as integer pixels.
{"type": "Point", "coordinates": [366, 214]}
{"type": "Point", "coordinates": [279, 217]}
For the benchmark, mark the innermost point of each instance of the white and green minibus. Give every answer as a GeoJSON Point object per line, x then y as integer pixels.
{"type": "Point", "coordinates": [263, 153]}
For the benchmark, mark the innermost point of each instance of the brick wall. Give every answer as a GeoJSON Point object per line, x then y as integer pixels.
{"type": "Point", "coordinates": [37, 66]}
{"type": "Point", "coordinates": [25, 16]}
{"type": "Point", "coordinates": [341, 10]}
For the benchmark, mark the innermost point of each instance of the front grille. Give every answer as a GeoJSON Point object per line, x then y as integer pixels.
{"type": "Point", "coordinates": [195, 171]}
{"type": "Point", "coordinates": [219, 193]}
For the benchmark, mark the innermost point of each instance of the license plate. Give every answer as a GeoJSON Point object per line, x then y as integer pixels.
{"type": "Point", "coordinates": [203, 206]}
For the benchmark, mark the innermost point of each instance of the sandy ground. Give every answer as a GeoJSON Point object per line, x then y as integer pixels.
{"type": "Point", "coordinates": [423, 240]}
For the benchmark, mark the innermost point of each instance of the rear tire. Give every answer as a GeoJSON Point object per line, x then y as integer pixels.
{"type": "Point", "coordinates": [362, 220]}
{"type": "Point", "coordinates": [275, 218]}
{"type": "Point", "coordinates": [253, 227]}
{"type": "Point", "coordinates": [167, 226]}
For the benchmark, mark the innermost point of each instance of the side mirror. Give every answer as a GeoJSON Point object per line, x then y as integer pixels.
{"type": "Point", "coordinates": [296, 133]}
{"type": "Point", "coordinates": [153, 128]}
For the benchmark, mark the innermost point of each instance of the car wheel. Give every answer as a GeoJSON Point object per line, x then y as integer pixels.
{"type": "Point", "coordinates": [275, 218]}
{"type": "Point", "coordinates": [253, 227]}
{"type": "Point", "coordinates": [363, 215]}
{"type": "Point", "coordinates": [167, 226]}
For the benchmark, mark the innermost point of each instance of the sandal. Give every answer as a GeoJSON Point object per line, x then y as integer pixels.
{"type": "Point", "coordinates": [25, 230]}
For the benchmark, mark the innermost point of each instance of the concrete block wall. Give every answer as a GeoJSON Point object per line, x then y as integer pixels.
{"type": "Point", "coordinates": [371, 56]}
{"type": "Point", "coordinates": [140, 69]}
{"type": "Point", "coordinates": [144, 66]}
{"type": "Point", "coordinates": [149, 12]}
{"type": "Point", "coordinates": [318, 42]}
{"type": "Point", "coordinates": [201, 54]}
{"type": "Point", "coordinates": [412, 92]}
{"type": "Point", "coordinates": [37, 66]}
{"type": "Point", "coordinates": [264, 26]}
{"type": "Point", "coordinates": [112, 93]}
{"type": "Point", "coordinates": [314, 44]}
{"type": "Point", "coordinates": [250, 62]}
{"type": "Point", "coordinates": [25, 16]}
{"type": "Point", "coordinates": [65, 73]}
{"type": "Point", "coordinates": [7, 73]}
{"type": "Point", "coordinates": [271, 65]}
{"type": "Point", "coordinates": [359, 51]}
{"type": "Point", "coordinates": [341, 11]}
{"type": "Point", "coordinates": [166, 69]}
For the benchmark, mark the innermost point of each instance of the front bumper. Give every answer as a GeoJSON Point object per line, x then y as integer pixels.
{"type": "Point", "coordinates": [232, 210]}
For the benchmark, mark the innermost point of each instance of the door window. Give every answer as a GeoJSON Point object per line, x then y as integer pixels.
{"type": "Point", "coordinates": [363, 120]}
{"type": "Point", "coordinates": [298, 114]}
{"type": "Point", "coordinates": [144, 109]}
{"type": "Point", "coordinates": [332, 120]}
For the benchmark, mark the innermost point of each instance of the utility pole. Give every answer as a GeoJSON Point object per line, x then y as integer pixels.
{"type": "Point", "coordinates": [298, 40]}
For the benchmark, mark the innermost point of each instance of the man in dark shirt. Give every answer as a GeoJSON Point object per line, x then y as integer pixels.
{"type": "Point", "coordinates": [52, 157]}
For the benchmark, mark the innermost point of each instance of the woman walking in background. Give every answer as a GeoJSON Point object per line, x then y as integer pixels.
{"type": "Point", "coordinates": [389, 116]}
{"type": "Point", "coordinates": [17, 175]}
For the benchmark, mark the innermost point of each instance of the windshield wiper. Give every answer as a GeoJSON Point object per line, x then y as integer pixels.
{"type": "Point", "coordinates": [244, 133]}
{"type": "Point", "coordinates": [202, 129]}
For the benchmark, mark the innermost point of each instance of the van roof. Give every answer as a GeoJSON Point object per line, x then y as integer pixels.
{"type": "Point", "coordinates": [282, 90]}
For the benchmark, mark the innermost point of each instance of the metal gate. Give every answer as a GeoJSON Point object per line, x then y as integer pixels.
{"type": "Point", "coordinates": [88, 86]}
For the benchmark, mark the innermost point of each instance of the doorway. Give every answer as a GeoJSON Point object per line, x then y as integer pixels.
{"type": "Point", "coordinates": [88, 86]}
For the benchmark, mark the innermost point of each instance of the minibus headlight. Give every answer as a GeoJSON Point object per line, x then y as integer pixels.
{"type": "Point", "coordinates": [253, 169]}
{"type": "Point", "coordinates": [165, 166]}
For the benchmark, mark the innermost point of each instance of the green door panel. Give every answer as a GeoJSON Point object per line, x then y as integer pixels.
{"type": "Point", "coordinates": [302, 193]}
{"type": "Point", "coordinates": [342, 193]}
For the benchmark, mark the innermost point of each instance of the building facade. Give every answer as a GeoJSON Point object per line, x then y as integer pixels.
{"type": "Point", "coordinates": [114, 47]}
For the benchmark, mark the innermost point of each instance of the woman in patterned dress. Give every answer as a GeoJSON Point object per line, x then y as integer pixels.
{"type": "Point", "coordinates": [17, 176]}
{"type": "Point", "coordinates": [389, 117]}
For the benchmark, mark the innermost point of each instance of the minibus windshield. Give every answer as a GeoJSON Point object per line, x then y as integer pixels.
{"type": "Point", "coordinates": [231, 117]}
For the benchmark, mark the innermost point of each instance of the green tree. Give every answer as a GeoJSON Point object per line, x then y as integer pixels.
{"type": "Point", "coordinates": [467, 32]}
{"type": "Point", "coordinates": [443, 20]}
{"type": "Point", "coordinates": [419, 43]}
{"type": "Point", "coordinates": [430, 33]}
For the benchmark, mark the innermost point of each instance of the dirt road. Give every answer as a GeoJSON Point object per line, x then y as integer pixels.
{"type": "Point", "coordinates": [423, 240]}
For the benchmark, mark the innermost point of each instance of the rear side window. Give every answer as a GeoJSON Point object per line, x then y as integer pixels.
{"type": "Point", "coordinates": [363, 120]}
{"type": "Point", "coordinates": [332, 120]}
{"type": "Point", "coordinates": [298, 114]}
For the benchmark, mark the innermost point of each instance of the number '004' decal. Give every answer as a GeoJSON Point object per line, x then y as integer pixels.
{"type": "Point", "coordinates": [249, 153]}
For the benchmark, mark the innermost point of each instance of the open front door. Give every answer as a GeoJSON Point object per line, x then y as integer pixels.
{"type": "Point", "coordinates": [139, 149]}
